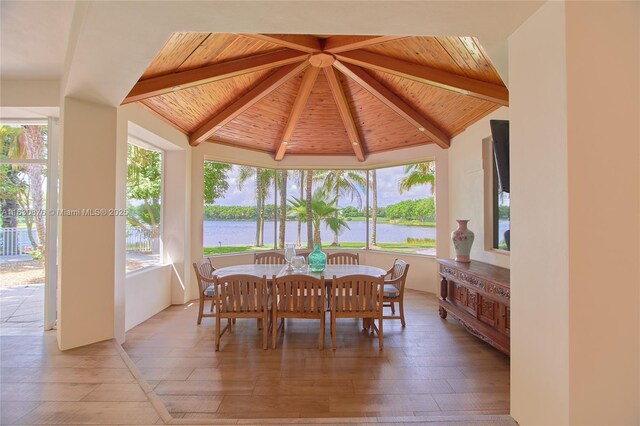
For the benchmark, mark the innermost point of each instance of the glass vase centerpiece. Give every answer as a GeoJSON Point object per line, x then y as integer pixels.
{"type": "Point", "coordinates": [317, 259]}
{"type": "Point", "coordinates": [289, 254]}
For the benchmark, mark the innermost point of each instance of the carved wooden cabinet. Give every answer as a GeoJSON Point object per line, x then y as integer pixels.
{"type": "Point", "coordinates": [477, 294]}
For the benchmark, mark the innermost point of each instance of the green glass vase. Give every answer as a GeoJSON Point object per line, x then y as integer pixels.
{"type": "Point", "coordinates": [317, 259]}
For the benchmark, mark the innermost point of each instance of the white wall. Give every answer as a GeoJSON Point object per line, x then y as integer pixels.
{"type": "Point", "coordinates": [539, 211]}
{"type": "Point", "coordinates": [148, 292]}
{"type": "Point", "coordinates": [467, 188]}
{"type": "Point", "coordinates": [603, 142]}
{"type": "Point", "coordinates": [86, 243]}
{"type": "Point", "coordinates": [576, 190]}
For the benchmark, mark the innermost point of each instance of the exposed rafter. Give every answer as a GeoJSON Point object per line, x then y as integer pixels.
{"type": "Point", "coordinates": [337, 44]}
{"type": "Point", "coordinates": [265, 87]}
{"type": "Point", "coordinates": [304, 43]}
{"type": "Point", "coordinates": [180, 80]}
{"type": "Point", "coordinates": [308, 81]}
{"type": "Point", "coordinates": [391, 100]}
{"type": "Point", "coordinates": [424, 74]}
{"type": "Point", "coordinates": [345, 112]}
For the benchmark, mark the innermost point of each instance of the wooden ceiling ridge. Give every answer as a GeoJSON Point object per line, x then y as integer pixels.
{"type": "Point", "coordinates": [308, 81]}
{"type": "Point", "coordinates": [396, 104]}
{"type": "Point", "coordinates": [219, 120]}
{"type": "Point", "coordinates": [181, 80]}
{"type": "Point", "coordinates": [345, 113]}
{"type": "Point", "coordinates": [428, 75]}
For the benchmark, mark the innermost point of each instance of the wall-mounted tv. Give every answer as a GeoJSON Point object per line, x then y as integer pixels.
{"type": "Point", "coordinates": [500, 136]}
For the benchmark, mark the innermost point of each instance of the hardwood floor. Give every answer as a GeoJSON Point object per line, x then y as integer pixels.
{"type": "Point", "coordinates": [433, 370]}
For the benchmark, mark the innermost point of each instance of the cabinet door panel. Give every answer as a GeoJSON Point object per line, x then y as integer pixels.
{"type": "Point", "coordinates": [471, 304]}
{"type": "Point", "coordinates": [458, 294]}
{"type": "Point", "coordinates": [489, 311]}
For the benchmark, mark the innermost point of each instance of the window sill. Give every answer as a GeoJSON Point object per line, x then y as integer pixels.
{"type": "Point", "coordinates": [134, 273]}
{"type": "Point", "coordinates": [498, 251]}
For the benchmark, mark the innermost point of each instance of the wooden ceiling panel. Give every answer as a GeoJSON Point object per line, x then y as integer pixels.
{"type": "Point", "coordinates": [190, 108]}
{"type": "Point", "coordinates": [262, 125]}
{"type": "Point", "coordinates": [175, 51]}
{"type": "Point", "coordinates": [450, 111]}
{"type": "Point", "coordinates": [382, 92]}
{"type": "Point", "coordinates": [242, 47]}
{"type": "Point", "coordinates": [320, 128]}
{"type": "Point", "coordinates": [380, 127]}
{"type": "Point", "coordinates": [457, 55]}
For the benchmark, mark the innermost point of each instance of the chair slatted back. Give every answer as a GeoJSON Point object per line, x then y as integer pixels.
{"type": "Point", "coordinates": [299, 295]}
{"type": "Point", "coordinates": [204, 273]}
{"type": "Point", "coordinates": [397, 275]}
{"type": "Point", "coordinates": [269, 258]}
{"type": "Point", "coordinates": [343, 258]}
{"type": "Point", "coordinates": [241, 294]}
{"type": "Point", "coordinates": [357, 296]}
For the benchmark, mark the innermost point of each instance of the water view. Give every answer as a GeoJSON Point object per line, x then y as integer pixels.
{"type": "Point", "coordinates": [230, 233]}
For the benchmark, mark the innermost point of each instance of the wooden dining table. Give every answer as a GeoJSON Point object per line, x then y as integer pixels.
{"type": "Point", "coordinates": [271, 270]}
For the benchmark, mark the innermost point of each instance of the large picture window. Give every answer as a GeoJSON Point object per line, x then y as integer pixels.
{"type": "Point", "coordinates": [249, 208]}
{"type": "Point", "coordinates": [144, 206]}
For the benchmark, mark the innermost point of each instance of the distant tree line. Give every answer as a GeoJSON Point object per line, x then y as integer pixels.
{"type": "Point", "coordinates": [421, 209]}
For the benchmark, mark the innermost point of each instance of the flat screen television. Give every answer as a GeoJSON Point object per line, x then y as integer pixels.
{"type": "Point", "coordinates": [500, 136]}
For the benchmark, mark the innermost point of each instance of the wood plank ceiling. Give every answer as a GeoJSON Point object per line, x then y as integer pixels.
{"type": "Point", "coordinates": [330, 95]}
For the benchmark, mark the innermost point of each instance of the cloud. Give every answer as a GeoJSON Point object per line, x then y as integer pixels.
{"type": "Point", "coordinates": [388, 192]}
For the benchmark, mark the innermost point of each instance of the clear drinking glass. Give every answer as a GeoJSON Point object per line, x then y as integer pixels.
{"type": "Point", "coordinates": [289, 253]}
{"type": "Point", "coordinates": [298, 262]}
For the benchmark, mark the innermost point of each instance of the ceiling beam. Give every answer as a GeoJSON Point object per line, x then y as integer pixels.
{"type": "Point", "coordinates": [394, 102]}
{"type": "Point", "coordinates": [345, 112]}
{"type": "Point", "coordinates": [304, 43]}
{"type": "Point", "coordinates": [260, 91]}
{"type": "Point", "coordinates": [424, 74]}
{"type": "Point", "coordinates": [308, 81]}
{"type": "Point", "coordinates": [337, 44]}
{"type": "Point", "coordinates": [181, 80]}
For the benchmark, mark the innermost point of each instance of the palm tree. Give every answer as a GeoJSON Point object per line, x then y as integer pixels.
{"type": "Point", "coordinates": [374, 206]}
{"type": "Point", "coordinates": [283, 180]}
{"type": "Point", "coordinates": [418, 174]}
{"type": "Point", "coordinates": [345, 183]}
{"type": "Point", "coordinates": [308, 214]}
{"type": "Point", "coordinates": [299, 174]}
{"type": "Point", "coordinates": [263, 178]}
{"type": "Point", "coordinates": [323, 209]}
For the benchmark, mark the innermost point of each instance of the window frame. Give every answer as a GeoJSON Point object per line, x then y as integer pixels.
{"type": "Point", "coordinates": [140, 143]}
{"type": "Point", "coordinates": [491, 215]}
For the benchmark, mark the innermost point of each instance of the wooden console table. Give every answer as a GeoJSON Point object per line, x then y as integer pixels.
{"type": "Point", "coordinates": [477, 294]}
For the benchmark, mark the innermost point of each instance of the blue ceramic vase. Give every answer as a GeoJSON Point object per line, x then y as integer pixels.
{"type": "Point", "coordinates": [317, 259]}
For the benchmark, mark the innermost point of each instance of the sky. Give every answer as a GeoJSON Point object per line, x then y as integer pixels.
{"type": "Point", "coordinates": [388, 193]}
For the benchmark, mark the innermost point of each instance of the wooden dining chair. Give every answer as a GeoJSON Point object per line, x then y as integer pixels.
{"type": "Point", "coordinates": [269, 257]}
{"type": "Point", "coordinates": [298, 296]}
{"type": "Point", "coordinates": [343, 258]}
{"type": "Point", "coordinates": [241, 296]}
{"type": "Point", "coordinates": [394, 283]}
{"type": "Point", "coordinates": [204, 273]}
{"type": "Point", "coordinates": [357, 296]}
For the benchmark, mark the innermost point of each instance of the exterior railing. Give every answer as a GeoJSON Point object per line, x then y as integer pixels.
{"type": "Point", "coordinates": [138, 239]}
{"type": "Point", "coordinates": [15, 241]}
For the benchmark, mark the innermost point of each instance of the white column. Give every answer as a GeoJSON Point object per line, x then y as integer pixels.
{"type": "Point", "coordinates": [86, 243]}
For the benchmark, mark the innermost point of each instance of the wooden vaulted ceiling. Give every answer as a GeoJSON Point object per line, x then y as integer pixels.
{"type": "Point", "coordinates": [329, 95]}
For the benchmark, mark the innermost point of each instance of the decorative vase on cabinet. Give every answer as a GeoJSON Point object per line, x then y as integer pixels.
{"type": "Point", "coordinates": [317, 259]}
{"type": "Point", "coordinates": [462, 241]}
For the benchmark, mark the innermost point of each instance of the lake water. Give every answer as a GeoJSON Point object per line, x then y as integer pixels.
{"type": "Point", "coordinates": [228, 233]}
{"type": "Point", "coordinates": [233, 233]}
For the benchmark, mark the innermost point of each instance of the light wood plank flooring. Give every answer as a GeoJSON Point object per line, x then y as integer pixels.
{"type": "Point", "coordinates": [433, 369]}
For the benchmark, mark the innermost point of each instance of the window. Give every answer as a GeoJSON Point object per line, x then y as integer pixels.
{"type": "Point", "coordinates": [144, 206]}
{"type": "Point", "coordinates": [497, 203]}
{"type": "Point", "coordinates": [248, 208]}
{"type": "Point", "coordinates": [23, 197]}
